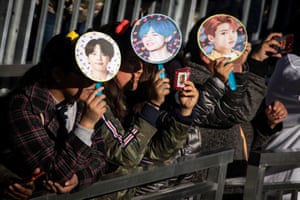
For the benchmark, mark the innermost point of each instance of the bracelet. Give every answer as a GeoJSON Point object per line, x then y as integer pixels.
{"type": "Point", "coordinates": [154, 105]}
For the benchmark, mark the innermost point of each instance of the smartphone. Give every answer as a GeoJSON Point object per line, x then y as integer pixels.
{"type": "Point", "coordinates": [286, 43]}
{"type": "Point", "coordinates": [181, 75]}
{"type": "Point", "coordinates": [32, 178]}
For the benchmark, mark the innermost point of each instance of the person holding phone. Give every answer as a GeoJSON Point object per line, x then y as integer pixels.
{"type": "Point", "coordinates": [227, 123]}
{"type": "Point", "coordinates": [22, 189]}
{"type": "Point", "coordinates": [283, 87]}
{"type": "Point", "coordinates": [48, 121]}
{"type": "Point", "coordinates": [135, 109]}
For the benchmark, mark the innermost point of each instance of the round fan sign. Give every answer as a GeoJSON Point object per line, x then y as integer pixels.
{"type": "Point", "coordinates": [98, 56]}
{"type": "Point", "coordinates": [222, 35]}
{"type": "Point", "coordinates": [156, 38]}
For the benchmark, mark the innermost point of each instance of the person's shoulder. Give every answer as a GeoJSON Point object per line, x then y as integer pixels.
{"type": "Point", "coordinates": [293, 59]}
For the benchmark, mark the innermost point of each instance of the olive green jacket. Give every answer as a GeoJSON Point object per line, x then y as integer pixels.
{"type": "Point", "coordinates": [128, 147]}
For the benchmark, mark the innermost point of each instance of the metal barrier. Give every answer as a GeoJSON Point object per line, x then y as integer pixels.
{"type": "Point", "coordinates": [255, 188]}
{"type": "Point", "coordinates": [18, 18]}
{"type": "Point", "coordinates": [215, 161]}
{"type": "Point", "coordinates": [9, 76]}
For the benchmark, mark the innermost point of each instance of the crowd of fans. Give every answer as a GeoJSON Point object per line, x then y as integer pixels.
{"type": "Point", "coordinates": [60, 132]}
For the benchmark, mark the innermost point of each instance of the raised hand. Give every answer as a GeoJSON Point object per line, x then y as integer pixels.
{"type": "Point", "coordinates": [95, 107]}
{"type": "Point", "coordinates": [276, 113]}
{"type": "Point", "coordinates": [159, 89]}
{"type": "Point", "coordinates": [266, 48]}
{"type": "Point", "coordinates": [188, 98]}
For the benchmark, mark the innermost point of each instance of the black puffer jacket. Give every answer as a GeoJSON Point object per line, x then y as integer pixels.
{"type": "Point", "coordinates": [222, 112]}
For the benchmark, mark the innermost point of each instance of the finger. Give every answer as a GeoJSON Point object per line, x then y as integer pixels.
{"type": "Point", "coordinates": [249, 46]}
{"type": "Point", "coordinates": [158, 74]}
{"type": "Point", "coordinates": [36, 171]}
{"type": "Point", "coordinates": [277, 106]}
{"type": "Point", "coordinates": [272, 35]}
{"type": "Point", "coordinates": [221, 62]}
{"type": "Point", "coordinates": [51, 186]}
{"type": "Point", "coordinates": [29, 185]}
{"type": "Point", "coordinates": [63, 189]}
{"type": "Point", "coordinates": [13, 195]}
{"type": "Point", "coordinates": [163, 80]}
{"type": "Point", "coordinates": [189, 87]}
{"type": "Point", "coordinates": [72, 181]}
{"type": "Point", "coordinates": [46, 185]}
{"type": "Point", "coordinates": [277, 55]}
{"type": "Point", "coordinates": [26, 190]}
{"type": "Point", "coordinates": [59, 188]}
{"type": "Point", "coordinates": [97, 102]}
{"type": "Point", "coordinates": [95, 94]}
{"type": "Point", "coordinates": [13, 191]}
{"type": "Point", "coordinates": [69, 185]}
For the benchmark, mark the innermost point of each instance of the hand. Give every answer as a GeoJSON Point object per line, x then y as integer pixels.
{"type": "Point", "coordinates": [159, 89]}
{"type": "Point", "coordinates": [58, 188]}
{"type": "Point", "coordinates": [222, 68]}
{"type": "Point", "coordinates": [188, 97]}
{"type": "Point", "coordinates": [267, 49]}
{"type": "Point", "coordinates": [95, 108]}
{"type": "Point", "coordinates": [22, 190]}
{"type": "Point", "coordinates": [276, 113]}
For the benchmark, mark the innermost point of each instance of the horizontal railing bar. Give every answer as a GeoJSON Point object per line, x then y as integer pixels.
{"type": "Point", "coordinates": [139, 176]}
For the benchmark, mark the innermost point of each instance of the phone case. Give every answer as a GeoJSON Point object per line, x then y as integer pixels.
{"type": "Point", "coordinates": [286, 43]}
{"type": "Point", "coordinates": [181, 75]}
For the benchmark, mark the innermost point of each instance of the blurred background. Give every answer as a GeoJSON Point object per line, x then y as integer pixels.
{"type": "Point", "coordinates": [26, 25]}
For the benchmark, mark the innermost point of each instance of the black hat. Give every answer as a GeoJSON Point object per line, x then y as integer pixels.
{"type": "Point", "coordinates": [60, 51]}
{"type": "Point", "coordinates": [121, 33]}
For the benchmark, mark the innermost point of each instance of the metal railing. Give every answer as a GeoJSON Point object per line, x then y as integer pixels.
{"type": "Point", "coordinates": [255, 188]}
{"type": "Point", "coordinates": [17, 18]}
{"type": "Point", "coordinates": [215, 161]}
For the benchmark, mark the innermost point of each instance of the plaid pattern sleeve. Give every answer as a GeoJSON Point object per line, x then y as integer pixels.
{"type": "Point", "coordinates": [43, 142]}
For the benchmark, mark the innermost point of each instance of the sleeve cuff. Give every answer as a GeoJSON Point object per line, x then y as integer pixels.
{"type": "Point", "coordinates": [184, 119]}
{"type": "Point", "coordinates": [150, 114]}
{"type": "Point", "coordinates": [84, 134]}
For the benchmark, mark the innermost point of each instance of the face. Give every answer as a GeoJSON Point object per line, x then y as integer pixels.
{"type": "Point", "coordinates": [98, 60]}
{"type": "Point", "coordinates": [123, 78]}
{"type": "Point", "coordinates": [153, 40]}
{"type": "Point", "coordinates": [225, 37]}
{"type": "Point", "coordinates": [73, 86]}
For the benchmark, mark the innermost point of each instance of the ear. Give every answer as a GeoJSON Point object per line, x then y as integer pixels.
{"type": "Point", "coordinates": [168, 39]}
{"type": "Point", "coordinates": [210, 38]}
